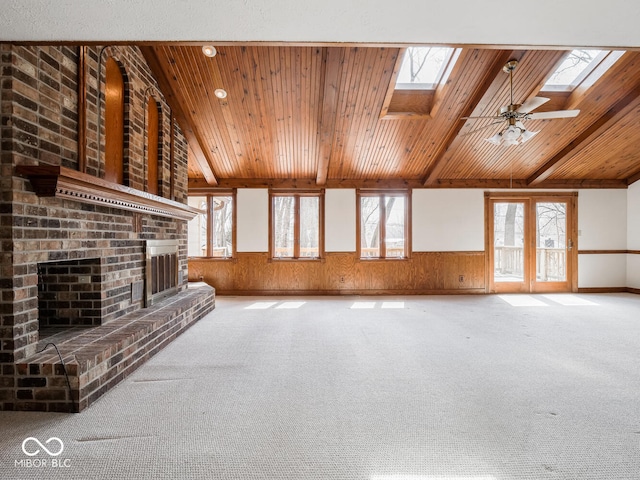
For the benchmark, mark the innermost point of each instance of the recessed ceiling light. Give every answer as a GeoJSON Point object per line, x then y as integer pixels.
{"type": "Point", "coordinates": [220, 93]}
{"type": "Point", "coordinates": [209, 50]}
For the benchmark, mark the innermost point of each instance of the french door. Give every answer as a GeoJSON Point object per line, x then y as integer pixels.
{"type": "Point", "coordinates": [531, 242]}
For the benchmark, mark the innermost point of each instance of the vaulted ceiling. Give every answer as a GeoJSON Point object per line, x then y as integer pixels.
{"type": "Point", "coordinates": [327, 116]}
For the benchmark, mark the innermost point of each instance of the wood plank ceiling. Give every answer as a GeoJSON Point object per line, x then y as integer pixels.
{"type": "Point", "coordinates": [324, 116]}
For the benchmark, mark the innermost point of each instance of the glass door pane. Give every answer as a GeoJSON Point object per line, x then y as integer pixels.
{"type": "Point", "coordinates": [508, 242]}
{"type": "Point", "coordinates": [551, 242]}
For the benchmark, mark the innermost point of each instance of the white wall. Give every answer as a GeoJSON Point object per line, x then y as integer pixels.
{"type": "Point", "coordinates": [633, 235]}
{"type": "Point", "coordinates": [253, 220]}
{"type": "Point", "coordinates": [547, 22]}
{"type": "Point", "coordinates": [633, 216]}
{"type": "Point", "coordinates": [602, 225]}
{"type": "Point", "coordinates": [340, 220]}
{"type": "Point", "coordinates": [602, 219]}
{"type": "Point", "coordinates": [602, 271]}
{"type": "Point", "coordinates": [447, 220]}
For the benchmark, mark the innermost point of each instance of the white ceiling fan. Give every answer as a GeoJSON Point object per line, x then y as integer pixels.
{"type": "Point", "coordinates": [516, 114]}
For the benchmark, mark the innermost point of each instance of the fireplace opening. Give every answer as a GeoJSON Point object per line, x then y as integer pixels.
{"type": "Point", "coordinates": [69, 295]}
{"type": "Point", "coordinates": [163, 275]}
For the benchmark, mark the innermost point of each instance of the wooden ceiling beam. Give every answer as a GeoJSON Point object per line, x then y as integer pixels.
{"type": "Point", "coordinates": [602, 73]}
{"type": "Point", "coordinates": [442, 90]}
{"type": "Point", "coordinates": [622, 107]}
{"type": "Point", "coordinates": [493, 81]}
{"type": "Point", "coordinates": [200, 185]}
{"type": "Point", "coordinates": [384, 111]}
{"type": "Point", "coordinates": [582, 183]}
{"type": "Point", "coordinates": [521, 183]}
{"type": "Point", "coordinates": [293, 183]}
{"type": "Point", "coordinates": [633, 178]}
{"type": "Point", "coordinates": [333, 60]}
{"type": "Point", "coordinates": [183, 118]}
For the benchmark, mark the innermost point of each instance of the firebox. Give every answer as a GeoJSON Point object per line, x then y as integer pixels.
{"type": "Point", "coordinates": [162, 270]}
{"type": "Point", "coordinates": [69, 293]}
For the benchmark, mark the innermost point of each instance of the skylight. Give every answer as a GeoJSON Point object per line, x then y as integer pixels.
{"type": "Point", "coordinates": [575, 67]}
{"type": "Point", "coordinates": [422, 67]}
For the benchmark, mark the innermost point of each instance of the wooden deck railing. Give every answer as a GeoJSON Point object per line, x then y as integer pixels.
{"type": "Point", "coordinates": [551, 263]}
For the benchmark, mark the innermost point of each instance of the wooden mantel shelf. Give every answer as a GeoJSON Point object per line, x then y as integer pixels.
{"type": "Point", "coordinates": [61, 182]}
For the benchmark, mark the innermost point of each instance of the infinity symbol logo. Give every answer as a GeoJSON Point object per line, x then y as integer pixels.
{"type": "Point", "coordinates": [33, 439]}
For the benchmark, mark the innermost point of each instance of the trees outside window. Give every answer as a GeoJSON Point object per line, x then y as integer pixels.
{"type": "Point", "coordinates": [212, 233]}
{"type": "Point", "coordinates": [383, 224]}
{"type": "Point", "coordinates": [296, 225]}
{"type": "Point", "coordinates": [423, 67]}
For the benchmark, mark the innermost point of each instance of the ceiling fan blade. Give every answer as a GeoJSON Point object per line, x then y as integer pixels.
{"type": "Point", "coordinates": [495, 117]}
{"type": "Point", "coordinates": [555, 114]}
{"type": "Point", "coordinates": [482, 128]}
{"type": "Point", "coordinates": [532, 104]}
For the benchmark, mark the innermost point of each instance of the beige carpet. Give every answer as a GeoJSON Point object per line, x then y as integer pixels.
{"type": "Point", "coordinates": [412, 388]}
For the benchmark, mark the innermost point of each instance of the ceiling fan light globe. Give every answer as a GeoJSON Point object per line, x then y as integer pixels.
{"type": "Point", "coordinates": [528, 135]}
{"type": "Point", "coordinates": [496, 139]}
{"type": "Point", "coordinates": [511, 134]}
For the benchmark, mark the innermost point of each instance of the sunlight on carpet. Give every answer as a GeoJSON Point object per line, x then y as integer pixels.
{"type": "Point", "coordinates": [260, 305]}
{"type": "Point", "coordinates": [392, 305]}
{"type": "Point", "coordinates": [522, 301]}
{"type": "Point", "coordinates": [357, 305]}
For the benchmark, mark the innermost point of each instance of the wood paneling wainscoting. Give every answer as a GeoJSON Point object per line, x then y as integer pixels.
{"type": "Point", "coordinates": [343, 273]}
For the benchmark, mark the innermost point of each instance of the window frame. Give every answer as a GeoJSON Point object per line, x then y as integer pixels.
{"type": "Point", "coordinates": [440, 78]}
{"type": "Point", "coordinates": [297, 194]}
{"type": "Point", "coordinates": [210, 226]}
{"type": "Point", "coordinates": [382, 241]}
{"type": "Point", "coordinates": [584, 74]}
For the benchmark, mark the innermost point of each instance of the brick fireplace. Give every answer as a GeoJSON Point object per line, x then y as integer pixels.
{"type": "Point", "coordinates": [104, 302]}
{"type": "Point", "coordinates": [73, 265]}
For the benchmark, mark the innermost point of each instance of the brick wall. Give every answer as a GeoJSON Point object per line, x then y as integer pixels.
{"type": "Point", "coordinates": [39, 124]}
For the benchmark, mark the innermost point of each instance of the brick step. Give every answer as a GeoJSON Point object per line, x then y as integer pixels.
{"type": "Point", "coordinates": [98, 358]}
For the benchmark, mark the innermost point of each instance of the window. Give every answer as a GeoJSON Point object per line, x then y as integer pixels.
{"type": "Point", "coordinates": [296, 221]}
{"type": "Point", "coordinates": [423, 67]}
{"type": "Point", "coordinates": [114, 123]}
{"type": "Point", "coordinates": [383, 224]}
{"type": "Point", "coordinates": [416, 92]}
{"type": "Point", "coordinates": [574, 69]}
{"type": "Point", "coordinates": [212, 233]}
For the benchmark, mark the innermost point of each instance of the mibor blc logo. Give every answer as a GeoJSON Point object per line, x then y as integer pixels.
{"type": "Point", "coordinates": [53, 447]}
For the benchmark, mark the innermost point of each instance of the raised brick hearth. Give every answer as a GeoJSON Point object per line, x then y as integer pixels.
{"type": "Point", "coordinates": [97, 358]}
